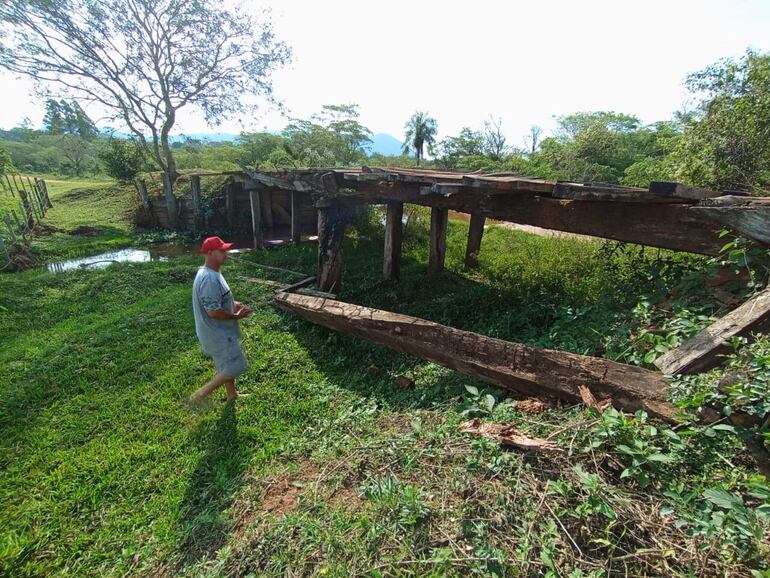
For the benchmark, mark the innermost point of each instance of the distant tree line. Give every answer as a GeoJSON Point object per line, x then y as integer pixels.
{"type": "Point", "coordinates": [722, 143]}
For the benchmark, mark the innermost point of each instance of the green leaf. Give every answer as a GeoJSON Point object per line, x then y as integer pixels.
{"type": "Point", "coordinates": [660, 458]}
{"type": "Point", "coordinates": [474, 391]}
{"type": "Point", "coordinates": [723, 499]}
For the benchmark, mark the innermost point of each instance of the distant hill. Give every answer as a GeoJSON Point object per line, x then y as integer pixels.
{"type": "Point", "coordinates": [385, 144]}
{"type": "Point", "coordinates": [382, 143]}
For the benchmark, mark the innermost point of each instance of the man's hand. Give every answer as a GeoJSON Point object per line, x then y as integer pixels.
{"type": "Point", "coordinates": [242, 311]}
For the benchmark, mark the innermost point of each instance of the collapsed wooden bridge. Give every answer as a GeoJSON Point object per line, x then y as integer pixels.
{"type": "Point", "coordinates": [666, 215]}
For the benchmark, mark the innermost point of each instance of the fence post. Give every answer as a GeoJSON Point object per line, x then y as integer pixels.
{"type": "Point", "coordinates": [195, 189]}
{"type": "Point", "coordinates": [170, 200]}
{"type": "Point", "coordinates": [27, 209]}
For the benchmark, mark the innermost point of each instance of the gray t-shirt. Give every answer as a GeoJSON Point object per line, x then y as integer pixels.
{"type": "Point", "coordinates": [211, 292]}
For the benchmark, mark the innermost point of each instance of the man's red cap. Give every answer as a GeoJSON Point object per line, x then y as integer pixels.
{"type": "Point", "coordinates": [214, 243]}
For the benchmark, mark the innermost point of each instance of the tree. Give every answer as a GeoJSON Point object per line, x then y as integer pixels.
{"type": "Point", "coordinates": [728, 137]}
{"type": "Point", "coordinates": [494, 139]}
{"type": "Point", "coordinates": [333, 137]}
{"type": "Point", "coordinates": [452, 150]}
{"type": "Point", "coordinates": [143, 60]}
{"type": "Point", "coordinates": [532, 140]}
{"type": "Point", "coordinates": [6, 164]}
{"type": "Point", "coordinates": [62, 117]}
{"type": "Point", "coordinates": [420, 131]}
{"type": "Point", "coordinates": [123, 159]}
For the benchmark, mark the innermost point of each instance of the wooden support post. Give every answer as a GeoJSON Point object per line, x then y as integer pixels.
{"type": "Point", "coordinates": [195, 190]}
{"type": "Point", "coordinates": [256, 218]}
{"type": "Point", "coordinates": [524, 369]}
{"type": "Point", "coordinates": [267, 208]}
{"type": "Point", "coordinates": [438, 228]}
{"type": "Point", "coordinates": [168, 191]}
{"type": "Point", "coordinates": [296, 217]}
{"type": "Point", "coordinates": [704, 350]}
{"type": "Point", "coordinates": [331, 232]}
{"type": "Point", "coordinates": [394, 216]}
{"type": "Point", "coordinates": [141, 189]}
{"type": "Point", "coordinates": [475, 233]}
{"type": "Point", "coordinates": [230, 204]}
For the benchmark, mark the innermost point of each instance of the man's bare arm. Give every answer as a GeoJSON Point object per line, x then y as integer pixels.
{"type": "Point", "coordinates": [222, 314]}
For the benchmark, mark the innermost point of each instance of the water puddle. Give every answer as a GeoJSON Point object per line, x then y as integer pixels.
{"type": "Point", "coordinates": [154, 253]}
{"type": "Point", "coordinates": [105, 259]}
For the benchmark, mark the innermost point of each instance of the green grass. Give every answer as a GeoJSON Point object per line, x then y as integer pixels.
{"type": "Point", "coordinates": [328, 468]}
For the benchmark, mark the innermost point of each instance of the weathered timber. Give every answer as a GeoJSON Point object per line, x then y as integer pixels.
{"type": "Point", "coordinates": [746, 216]}
{"type": "Point", "coordinates": [475, 233]}
{"type": "Point", "coordinates": [527, 370]}
{"type": "Point", "coordinates": [331, 232]}
{"type": "Point", "coordinates": [681, 191]}
{"type": "Point", "coordinates": [229, 191]}
{"type": "Point", "coordinates": [267, 208]}
{"type": "Point", "coordinates": [438, 229]}
{"type": "Point", "coordinates": [141, 190]}
{"type": "Point", "coordinates": [704, 350]}
{"type": "Point", "coordinates": [256, 218]}
{"type": "Point", "coordinates": [195, 191]}
{"type": "Point", "coordinates": [591, 192]}
{"type": "Point", "coordinates": [168, 192]}
{"type": "Point", "coordinates": [296, 217]}
{"type": "Point", "coordinates": [299, 285]}
{"type": "Point", "coordinates": [667, 225]}
{"type": "Point", "coordinates": [394, 216]}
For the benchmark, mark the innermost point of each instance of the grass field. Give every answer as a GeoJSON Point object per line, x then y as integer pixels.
{"type": "Point", "coordinates": [329, 468]}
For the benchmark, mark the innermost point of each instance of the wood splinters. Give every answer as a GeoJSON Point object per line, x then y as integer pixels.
{"type": "Point", "coordinates": [507, 434]}
{"type": "Point", "coordinates": [591, 401]}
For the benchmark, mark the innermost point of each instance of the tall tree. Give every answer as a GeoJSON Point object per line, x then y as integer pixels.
{"type": "Point", "coordinates": [420, 132]}
{"type": "Point", "coordinates": [62, 117]}
{"type": "Point", "coordinates": [728, 137]}
{"type": "Point", "coordinates": [143, 60]}
{"type": "Point", "coordinates": [494, 139]}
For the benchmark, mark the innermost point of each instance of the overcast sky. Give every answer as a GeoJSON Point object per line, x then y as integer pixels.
{"type": "Point", "coordinates": [526, 62]}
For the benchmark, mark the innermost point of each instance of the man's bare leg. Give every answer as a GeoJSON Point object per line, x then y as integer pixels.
{"type": "Point", "coordinates": [218, 380]}
{"type": "Point", "coordinates": [232, 393]}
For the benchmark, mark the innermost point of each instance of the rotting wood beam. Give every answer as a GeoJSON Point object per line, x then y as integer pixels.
{"type": "Point", "coordinates": [296, 217]}
{"type": "Point", "coordinates": [475, 233]}
{"type": "Point", "coordinates": [438, 229]}
{"type": "Point", "coordinates": [675, 226]}
{"type": "Point", "coordinates": [526, 370]}
{"type": "Point", "coordinates": [331, 232]}
{"type": "Point", "coordinates": [703, 351]}
{"type": "Point", "coordinates": [255, 200]}
{"type": "Point", "coordinates": [746, 216]}
{"type": "Point", "coordinates": [394, 217]}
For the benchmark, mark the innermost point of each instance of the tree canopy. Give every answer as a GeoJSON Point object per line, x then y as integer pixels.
{"type": "Point", "coordinates": [420, 132]}
{"type": "Point", "coordinates": [143, 60]}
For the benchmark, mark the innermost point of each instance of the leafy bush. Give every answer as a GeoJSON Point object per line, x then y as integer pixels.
{"type": "Point", "coordinates": [123, 159]}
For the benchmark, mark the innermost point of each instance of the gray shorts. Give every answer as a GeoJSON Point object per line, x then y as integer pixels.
{"type": "Point", "coordinates": [229, 359]}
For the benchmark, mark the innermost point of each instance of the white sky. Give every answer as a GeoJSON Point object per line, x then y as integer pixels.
{"type": "Point", "coordinates": [525, 62]}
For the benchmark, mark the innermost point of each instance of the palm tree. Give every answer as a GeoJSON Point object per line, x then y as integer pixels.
{"type": "Point", "coordinates": [420, 131]}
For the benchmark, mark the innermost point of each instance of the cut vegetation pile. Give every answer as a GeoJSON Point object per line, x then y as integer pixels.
{"type": "Point", "coordinates": [348, 459]}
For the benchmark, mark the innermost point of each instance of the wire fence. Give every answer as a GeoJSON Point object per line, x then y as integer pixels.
{"type": "Point", "coordinates": [19, 217]}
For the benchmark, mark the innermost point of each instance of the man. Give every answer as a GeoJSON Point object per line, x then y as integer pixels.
{"type": "Point", "coordinates": [216, 320]}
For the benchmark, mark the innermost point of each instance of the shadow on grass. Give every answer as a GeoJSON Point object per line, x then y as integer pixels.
{"type": "Point", "coordinates": [203, 521]}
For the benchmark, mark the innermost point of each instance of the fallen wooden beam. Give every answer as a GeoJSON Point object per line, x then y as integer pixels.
{"type": "Point", "coordinates": [703, 351]}
{"type": "Point", "coordinates": [527, 370]}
